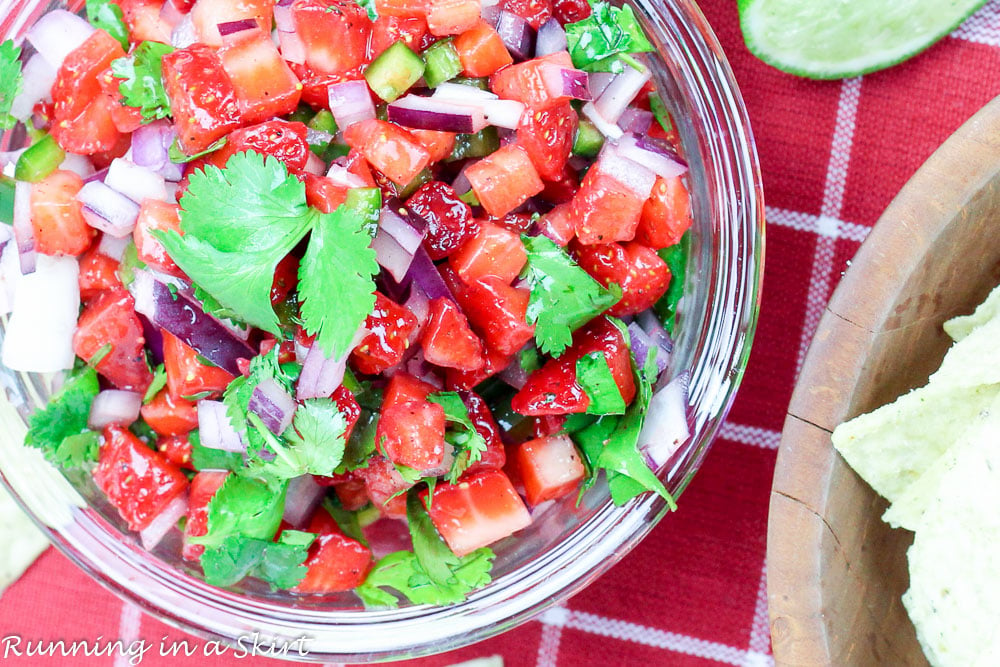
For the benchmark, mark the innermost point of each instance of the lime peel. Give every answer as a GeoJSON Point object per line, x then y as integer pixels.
{"type": "Point", "coordinates": [835, 39]}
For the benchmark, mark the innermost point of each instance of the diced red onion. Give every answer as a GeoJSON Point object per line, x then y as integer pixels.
{"type": "Point", "coordinates": [666, 426]}
{"type": "Point", "coordinates": [171, 14]}
{"type": "Point", "coordinates": [301, 499]}
{"type": "Point", "coordinates": [57, 33]}
{"type": "Point", "coordinates": [390, 255]}
{"type": "Point", "coordinates": [514, 374]}
{"type": "Point", "coordinates": [428, 113]}
{"type": "Point", "coordinates": [350, 102]}
{"type": "Point", "coordinates": [184, 34]}
{"type": "Point", "coordinates": [491, 12]}
{"type": "Point", "coordinates": [565, 81]}
{"type": "Point", "coordinates": [158, 528]}
{"type": "Point", "coordinates": [10, 272]}
{"type": "Point", "coordinates": [462, 93]}
{"type": "Point", "coordinates": [293, 49]}
{"type": "Point", "coordinates": [216, 429]}
{"type": "Point", "coordinates": [153, 336]}
{"type": "Point", "coordinates": [39, 334]}
{"type": "Point", "coordinates": [114, 406]}
{"type": "Point", "coordinates": [636, 121]}
{"type": "Point", "coordinates": [151, 145]}
{"type": "Point", "coordinates": [627, 172]}
{"type": "Point", "coordinates": [38, 77]}
{"type": "Point", "coordinates": [620, 92]}
{"type": "Point", "coordinates": [604, 126]}
{"type": "Point", "coordinates": [419, 305]}
{"type": "Point", "coordinates": [340, 175]}
{"type": "Point", "coordinates": [228, 28]}
{"type": "Point", "coordinates": [461, 184]}
{"type": "Point", "coordinates": [24, 232]}
{"type": "Point", "coordinates": [641, 343]}
{"type": "Point", "coordinates": [6, 235]}
{"type": "Point", "coordinates": [388, 535]}
{"type": "Point", "coordinates": [183, 317]}
{"type": "Point", "coordinates": [113, 246]}
{"type": "Point", "coordinates": [316, 137]}
{"type": "Point", "coordinates": [321, 374]}
{"type": "Point", "coordinates": [650, 323]}
{"type": "Point", "coordinates": [273, 405]}
{"type": "Point", "coordinates": [517, 35]}
{"type": "Point", "coordinates": [503, 113]}
{"type": "Point", "coordinates": [97, 176]}
{"type": "Point", "coordinates": [314, 165]}
{"type": "Point", "coordinates": [655, 154]}
{"type": "Point", "coordinates": [551, 38]}
{"type": "Point", "coordinates": [107, 210]}
{"type": "Point", "coordinates": [599, 82]}
{"type": "Point", "coordinates": [406, 229]}
{"type": "Point", "coordinates": [284, 20]}
{"type": "Point", "coordinates": [135, 182]}
{"type": "Point", "coordinates": [424, 274]}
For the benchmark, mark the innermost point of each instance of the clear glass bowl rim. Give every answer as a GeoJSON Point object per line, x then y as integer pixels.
{"type": "Point", "coordinates": [726, 281]}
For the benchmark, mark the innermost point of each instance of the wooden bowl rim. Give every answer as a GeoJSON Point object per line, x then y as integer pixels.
{"type": "Point", "coordinates": [973, 168]}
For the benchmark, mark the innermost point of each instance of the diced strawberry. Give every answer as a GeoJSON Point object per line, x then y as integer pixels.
{"type": "Point", "coordinates": [176, 449]}
{"type": "Point", "coordinates": [498, 313]}
{"type": "Point", "coordinates": [481, 509]}
{"type": "Point", "coordinates": [391, 29]}
{"type": "Point", "coordinates": [189, 374]}
{"type": "Point", "coordinates": [278, 138]}
{"type": "Point", "coordinates": [553, 389]}
{"type": "Point", "coordinates": [389, 148]}
{"type": "Point", "coordinates": [548, 136]}
{"type": "Point", "coordinates": [335, 562]}
{"type": "Point", "coordinates": [450, 17]}
{"type": "Point", "coordinates": [335, 34]}
{"type": "Point", "coordinates": [265, 87]}
{"type": "Point", "coordinates": [504, 180]}
{"type": "Point", "coordinates": [352, 494]}
{"type": "Point", "coordinates": [323, 193]}
{"type": "Point", "coordinates": [202, 98]}
{"type": "Point", "coordinates": [535, 12]}
{"type": "Point", "coordinates": [390, 325]}
{"type": "Point", "coordinates": [526, 82]}
{"type": "Point", "coordinates": [208, 14]}
{"type": "Point", "coordinates": [558, 224]}
{"type": "Point", "coordinates": [159, 216]}
{"type": "Point", "coordinates": [494, 251]}
{"type": "Point", "coordinates": [139, 482]}
{"type": "Point", "coordinates": [439, 144]}
{"type": "Point", "coordinates": [170, 416]}
{"type": "Point", "coordinates": [482, 419]}
{"type": "Point", "coordinates": [385, 486]}
{"type": "Point", "coordinates": [570, 11]}
{"type": "Point", "coordinates": [666, 215]}
{"type": "Point", "coordinates": [110, 327]}
{"type": "Point", "coordinates": [203, 488]}
{"type": "Point", "coordinates": [410, 428]}
{"type": "Point", "coordinates": [481, 50]}
{"type": "Point", "coordinates": [447, 339]}
{"type": "Point", "coordinates": [605, 210]}
{"type": "Point", "coordinates": [641, 274]}
{"type": "Point", "coordinates": [144, 21]}
{"type": "Point", "coordinates": [449, 219]}
{"type": "Point", "coordinates": [348, 406]}
{"type": "Point", "coordinates": [493, 363]}
{"type": "Point", "coordinates": [549, 468]}
{"type": "Point", "coordinates": [98, 272]}
{"type": "Point", "coordinates": [57, 217]}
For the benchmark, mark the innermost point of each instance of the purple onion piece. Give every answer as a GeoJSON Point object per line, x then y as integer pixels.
{"type": "Point", "coordinates": [273, 405]}
{"type": "Point", "coordinates": [641, 343]}
{"type": "Point", "coordinates": [232, 27]}
{"type": "Point", "coordinates": [551, 38]}
{"type": "Point", "coordinates": [158, 528]}
{"type": "Point", "coordinates": [57, 33]}
{"type": "Point", "coordinates": [107, 210]}
{"type": "Point", "coordinates": [517, 35]}
{"type": "Point", "coordinates": [428, 113]}
{"type": "Point", "coordinates": [419, 305]}
{"type": "Point", "coordinates": [666, 427]}
{"type": "Point", "coordinates": [148, 149]}
{"type": "Point", "coordinates": [114, 406]}
{"type": "Point", "coordinates": [24, 233]}
{"type": "Point", "coordinates": [390, 255]}
{"type": "Point", "coordinates": [620, 92]}
{"type": "Point", "coordinates": [424, 274]}
{"type": "Point", "coordinates": [184, 318]}
{"type": "Point", "coordinates": [408, 230]}
{"type": "Point", "coordinates": [321, 374]}
{"type": "Point", "coordinates": [135, 182]}
{"type": "Point", "coordinates": [350, 102]}
{"type": "Point", "coordinates": [636, 121]}
{"type": "Point", "coordinates": [650, 323]}
{"type": "Point", "coordinates": [215, 428]}
{"type": "Point", "coordinates": [301, 499]}
{"type": "Point", "coordinates": [626, 171]}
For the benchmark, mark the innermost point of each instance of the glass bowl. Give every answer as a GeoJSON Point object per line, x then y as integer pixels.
{"type": "Point", "coordinates": [566, 547]}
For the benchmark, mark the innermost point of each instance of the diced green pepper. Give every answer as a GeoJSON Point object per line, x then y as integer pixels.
{"type": "Point", "coordinates": [39, 160]}
{"type": "Point", "coordinates": [424, 176]}
{"type": "Point", "coordinates": [368, 203]}
{"type": "Point", "coordinates": [394, 71]}
{"type": "Point", "coordinates": [588, 139]}
{"type": "Point", "coordinates": [442, 62]}
{"type": "Point", "coordinates": [6, 200]}
{"type": "Point", "coordinates": [480, 144]}
{"type": "Point", "coordinates": [323, 121]}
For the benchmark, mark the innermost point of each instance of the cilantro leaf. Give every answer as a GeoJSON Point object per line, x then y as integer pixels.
{"type": "Point", "coordinates": [63, 417]}
{"type": "Point", "coordinates": [468, 443]}
{"type": "Point", "coordinates": [602, 41]}
{"type": "Point", "coordinates": [212, 307]}
{"type": "Point", "coordinates": [368, 6]}
{"type": "Point", "coordinates": [563, 296]}
{"type": "Point", "coordinates": [77, 450]}
{"type": "Point", "coordinates": [238, 223]}
{"type": "Point", "coordinates": [594, 375]}
{"type": "Point", "coordinates": [243, 506]}
{"type": "Point", "coordinates": [431, 573]}
{"type": "Point", "coordinates": [336, 288]}
{"type": "Point", "coordinates": [206, 458]}
{"type": "Point", "coordinates": [676, 258]}
{"type": "Point", "coordinates": [178, 156]}
{"type": "Point", "coordinates": [11, 81]}
{"type": "Point", "coordinates": [158, 383]}
{"type": "Point", "coordinates": [660, 112]}
{"type": "Point", "coordinates": [143, 79]}
{"type": "Point", "coordinates": [108, 16]}
{"type": "Point", "coordinates": [313, 445]}
{"type": "Point", "coordinates": [278, 563]}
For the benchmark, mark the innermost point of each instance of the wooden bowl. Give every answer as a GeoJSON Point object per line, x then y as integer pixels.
{"type": "Point", "coordinates": [835, 570]}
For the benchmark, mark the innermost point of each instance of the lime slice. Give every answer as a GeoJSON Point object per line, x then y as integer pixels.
{"type": "Point", "coordinates": [833, 39]}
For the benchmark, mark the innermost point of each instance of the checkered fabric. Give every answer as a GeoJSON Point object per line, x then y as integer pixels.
{"type": "Point", "coordinates": [693, 593]}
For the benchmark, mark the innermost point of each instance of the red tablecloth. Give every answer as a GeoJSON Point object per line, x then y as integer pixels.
{"type": "Point", "coordinates": [833, 156]}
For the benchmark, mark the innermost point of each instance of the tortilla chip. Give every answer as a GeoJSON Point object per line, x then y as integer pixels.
{"type": "Point", "coordinates": [960, 327]}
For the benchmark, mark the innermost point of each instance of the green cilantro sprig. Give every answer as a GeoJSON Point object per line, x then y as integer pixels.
{"type": "Point", "coordinates": [59, 429]}
{"type": "Point", "coordinates": [239, 222]}
{"type": "Point", "coordinates": [278, 563]}
{"type": "Point", "coordinates": [469, 445]}
{"type": "Point", "coordinates": [143, 79]}
{"type": "Point", "coordinates": [563, 296]}
{"type": "Point", "coordinates": [11, 81]}
{"type": "Point", "coordinates": [676, 258]}
{"type": "Point", "coordinates": [594, 375]}
{"type": "Point", "coordinates": [603, 41]}
{"type": "Point", "coordinates": [109, 17]}
{"type": "Point", "coordinates": [431, 573]}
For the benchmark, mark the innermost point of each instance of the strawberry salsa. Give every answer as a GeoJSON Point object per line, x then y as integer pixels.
{"type": "Point", "coordinates": [320, 272]}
